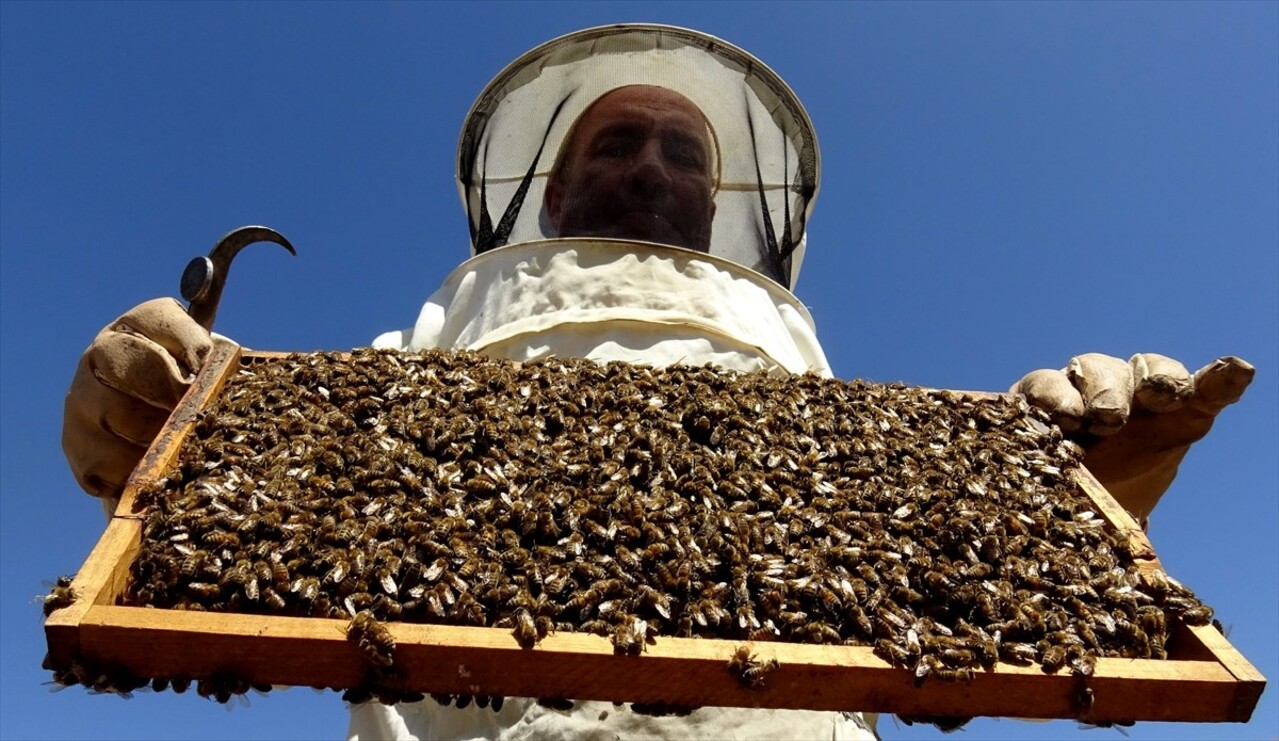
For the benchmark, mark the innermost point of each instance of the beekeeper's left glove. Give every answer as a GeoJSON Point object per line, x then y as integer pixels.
{"type": "Point", "coordinates": [1135, 419]}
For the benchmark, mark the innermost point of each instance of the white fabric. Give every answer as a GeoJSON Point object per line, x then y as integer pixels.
{"type": "Point", "coordinates": [522, 719]}
{"type": "Point", "coordinates": [610, 301]}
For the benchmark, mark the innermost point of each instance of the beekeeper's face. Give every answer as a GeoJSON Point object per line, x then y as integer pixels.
{"type": "Point", "coordinates": [637, 165]}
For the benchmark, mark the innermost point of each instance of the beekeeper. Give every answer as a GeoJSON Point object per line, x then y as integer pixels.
{"type": "Point", "coordinates": [636, 193]}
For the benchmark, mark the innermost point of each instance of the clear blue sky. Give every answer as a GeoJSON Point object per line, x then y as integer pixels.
{"type": "Point", "coordinates": [1005, 185]}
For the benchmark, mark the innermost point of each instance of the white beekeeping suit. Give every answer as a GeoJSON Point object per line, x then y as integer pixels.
{"type": "Point", "coordinates": [679, 296]}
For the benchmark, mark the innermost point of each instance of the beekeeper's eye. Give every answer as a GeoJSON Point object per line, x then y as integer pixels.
{"type": "Point", "coordinates": [618, 143]}
{"type": "Point", "coordinates": [582, 113]}
{"type": "Point", "coordinates": [685, 151]}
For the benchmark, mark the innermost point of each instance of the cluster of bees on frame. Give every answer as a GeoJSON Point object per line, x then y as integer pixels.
{"type": "Point", "coordinates": [635, 503]}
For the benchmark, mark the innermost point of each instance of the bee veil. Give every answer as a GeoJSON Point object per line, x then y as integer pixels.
{"type": "Point", "coordinates": [765, 164]}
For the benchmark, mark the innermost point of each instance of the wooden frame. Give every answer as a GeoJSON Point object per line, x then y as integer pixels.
{"type": "Point", "coordinates": [1204, 678]}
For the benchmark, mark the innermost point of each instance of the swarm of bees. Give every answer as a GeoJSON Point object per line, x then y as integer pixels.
{"type": "Point", "coordinates": [636, 503]}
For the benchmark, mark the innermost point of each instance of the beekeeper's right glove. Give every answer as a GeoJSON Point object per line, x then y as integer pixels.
{"type": "Point", "coordinates": [127, 383]}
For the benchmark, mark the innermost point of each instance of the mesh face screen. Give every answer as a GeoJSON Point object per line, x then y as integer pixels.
{"type": "Point", "coordinates": [660, 134]}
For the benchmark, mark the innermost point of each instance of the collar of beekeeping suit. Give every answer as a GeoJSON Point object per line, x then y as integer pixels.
{"type": "Point", "coordinates": [761, 160]}
{"type": "Point", "coordinates": [587, 298]}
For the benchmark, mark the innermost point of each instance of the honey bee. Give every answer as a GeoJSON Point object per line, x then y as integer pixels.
{"type": "Point", "coordinates": [892, 652]}
{"type": "Point", "coordinates": [307, 588]}
{"type": "Point", "coordinates": [1053, 658]}
{"type": "Point", "coordinates": [962, 674]}
{"type": "Point", "coordinates": [630, 636]}
{"type": "Point", "coordinates": [525, 630]}
{"type": "Point", "coordinates": [554, 703]}
{"type": "Point", "coordinates": [273, 600]}
{"type": "Point", "coordinates": [204, 591]}
{"type": "Point", "coordinates": [749, 671]}
{"type": "Point", "coordinates": [375, 640]}
{"type": "Point", "coordinates": [62, 595]}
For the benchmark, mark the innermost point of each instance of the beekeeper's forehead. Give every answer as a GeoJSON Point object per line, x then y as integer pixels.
{"type": "Point", "coordinates": [765, 160]}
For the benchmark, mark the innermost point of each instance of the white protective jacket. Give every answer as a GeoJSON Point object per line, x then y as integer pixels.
{"type": "Point", "coordinates": [606, 300]}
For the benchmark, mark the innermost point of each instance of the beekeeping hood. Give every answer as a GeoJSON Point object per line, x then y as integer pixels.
{"type": "Point", "coordinates": [765, 164]}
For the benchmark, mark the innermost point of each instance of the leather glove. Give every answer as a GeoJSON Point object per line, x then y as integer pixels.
{"type": "Point", "coordinates": [1135, 419]}
{"type": "Point", "coordinates": [127, 383]}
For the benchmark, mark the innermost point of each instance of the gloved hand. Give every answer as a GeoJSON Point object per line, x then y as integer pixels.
{"type": "Point", "coordinates": [127, 383]}
{"type": "Point", "coordinates": [1135, 419]}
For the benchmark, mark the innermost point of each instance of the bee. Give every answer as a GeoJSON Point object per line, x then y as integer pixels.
{"type": "Point", "coordinates": [1197, 615]}
{"type": "Point", "coordinates": [307, 588]}
{"type": "Point", "coordinates": [961, 674]}
{"type": "Point", "coordinates": [630, 636]}
{"type": "Point", "coordinates": [203, 590]}
{"type": "Point", "coordinates": [819, 632]}
{"type": "Point", "coordinates": [221, 687]}
{"type": "Point", "coordinates": [220, 539]}
{"type": "Point", "coordinates": [374, 639]}
{"type": "Point", "coordinates": [554, 703]}
{"type": "Point", "coordinates": [272, 599]}
{"type": "Point", "coordinates": [337, 574]}
{"type": "Point", "coordinates": [1084, 664]}
{"type": "Point", "coordinates": [62, 595]}
{"type": "Point", "coordinates": [862, 621]}
{"type": "Point", "coordinates": [978, 571]}
{"type": "Point", "coordinates": [928, 664]}
{"type": "Point", "coordinates": [278, 572]}
{"type": "Point", "coordinates": [906, 595]}
{"type": "Point", "coordinates": [525, 630]}
{"type": "Point", "coordinates": [1018, 653]}
{"type": "Point", "coordinates": [1053, 658]}
{"type": "Point", "coordinates": [892, 652]}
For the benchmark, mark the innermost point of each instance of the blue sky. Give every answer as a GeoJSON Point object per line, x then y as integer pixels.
{"type": "Point", "coordinates": [1004, 186]}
